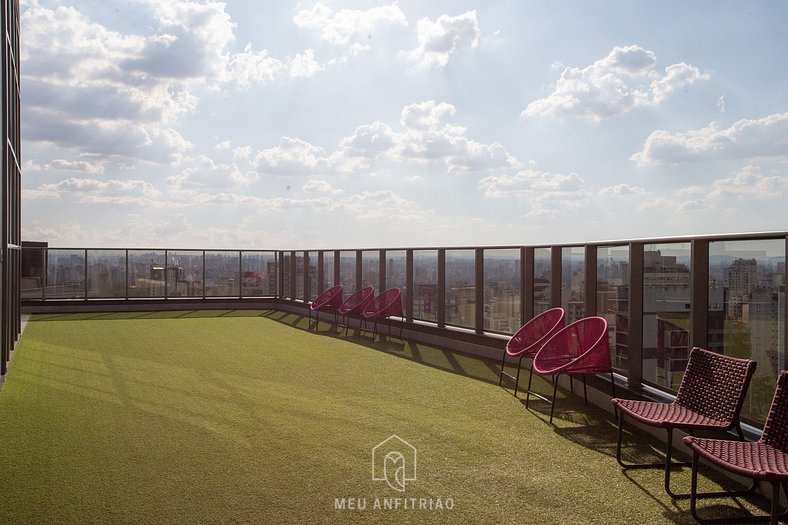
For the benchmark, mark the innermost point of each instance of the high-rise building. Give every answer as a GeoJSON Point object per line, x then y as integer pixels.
{"type": "Point", "coordinates": [10, 258]}
{"type": "Point", "coordinates": [742, 278]}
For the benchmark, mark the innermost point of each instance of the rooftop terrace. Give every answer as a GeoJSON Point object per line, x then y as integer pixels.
{"type": "Point", "coordinates": [246, 416]}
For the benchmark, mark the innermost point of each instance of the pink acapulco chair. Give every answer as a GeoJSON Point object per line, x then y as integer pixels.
{"type": "Point", "coordinates": [328, 301]}
{"type": "Point", "coordinates": [763, 460]}
{"type": "Point", "coordinates": [527, 341]}
{"type": "Point", "coordinates": [355, 304]}
{"type": "Point", "coordinates": [579, 348]}
{"type": "Point", "coordinates": [387, 304]}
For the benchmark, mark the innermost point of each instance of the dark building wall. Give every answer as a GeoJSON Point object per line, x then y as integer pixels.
{"type": "Point", "coordinates": [10, 237]}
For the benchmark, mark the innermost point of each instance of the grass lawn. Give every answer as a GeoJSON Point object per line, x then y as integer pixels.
{"type": "Point", "coordinates": [246, 417]}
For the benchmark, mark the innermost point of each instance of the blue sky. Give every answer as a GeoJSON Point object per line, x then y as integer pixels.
{"type": "Point", "coordinates": [279, 125]}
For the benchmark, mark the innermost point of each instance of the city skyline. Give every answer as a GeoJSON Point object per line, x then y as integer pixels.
{"type": "Point", "coordinates": [173, 123]}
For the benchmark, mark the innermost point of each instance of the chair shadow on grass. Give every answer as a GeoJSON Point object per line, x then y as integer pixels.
{"type": "Point", "coordinates": [595, 429]}
{"type": "Point", "coordinates": [451, 361]}
{"type": "Point", "coordinates": [152, 314]}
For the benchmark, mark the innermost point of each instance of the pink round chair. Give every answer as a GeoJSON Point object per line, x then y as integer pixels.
{"type": "Point", "coordinates": [355, 304]}
{"type": "Point", "coordinates": [328, 301]}
{"type": "Point", "coordinates": [527, 341]}
{"type": "Point", "coordinates": [580, 348]}
{"type": "Point", "coordinates": [385, 305]}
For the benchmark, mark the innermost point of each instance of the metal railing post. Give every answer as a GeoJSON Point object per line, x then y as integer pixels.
{"type": "Point", "coordinates": [479, 290]}
{"type": "Point", "coordinates": [699, 290]}
{"type": "Point", "coordinates": [441, 314]}
{"type": "Point", "coordinates": [635, 335]}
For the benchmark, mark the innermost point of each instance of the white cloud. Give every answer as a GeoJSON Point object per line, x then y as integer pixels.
{"type": "Point", "coordinates": [632, 60]}
{"type": "Point", "coordinates": [616, 84]}
{"type": "Point", "coordinates": [369, 141]}
{"type": "Point", "coordinates": [320, 186]}
{"type": "Point", "coordinates": [116, 96]}
{"type": "Point", "coordinates": [250, 68]}
{"type": "Point", "coordinates": [340, 27]}
{"type": "Point", "coordinates": [304, 65]}
{"type": "Point", "coordinates": [750, 183]}
{"type": "Point", "coordinates": [429, 139]}
{"type": "Point", "coordinates": [440, 39]}
{"type": "Point", "coordinates": [426, 115]}
{"type": "Point", "coordinates": [94, 191]}
{"type": "Point", "coordinates": [64, 165]}
{"type": "Point", "coordinates": [204, 172]}
{"type": "Point", "coordinates": [621, 189]}
{"type": "Point", "coordinates": [765, 137]}
{"type": "Point", "coordinates": [677, 76]}
{"type": "Point", "coordinates": [291, 157]}
{"type": "Point", "coordinates": [529, 182]}
{"type": "Point", "coordinates": [721, 104]}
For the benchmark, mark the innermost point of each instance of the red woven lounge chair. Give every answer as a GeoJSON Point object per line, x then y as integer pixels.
{"type": "Point", "coordinates": [710, 397]}
{"type": "Point", "coordinates": [764, 460]}
{"type": "Point", "coordinates": [527, 341]}
{"type": "Point", "coordinates": [328, 301]}
{"type": "Point", "coordinates": [579, 348]}
{"type": "Point", "coordinates": [387, 304]}
{"type": "Point", "coordinates": [355, 304]}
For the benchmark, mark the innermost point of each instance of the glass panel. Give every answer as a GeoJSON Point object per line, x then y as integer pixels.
{"type": "Point", "coordinates": [65, 274]}
{"type": "Point", "coordinates": [314, 286]}
{"type": "Point", "coordinates": [184, 273]}
{"type": "Point", "coordinates": [347, 272]}
{"type": "Point", "coordinates": [542, 280]}
{"type": "Point", "coordinates": [286, 271]}
{"type": "Point", "coordinates": [106, 273]}
{"type": "Point", "coordinates": [666, 312]}
{"type": "Point", "coordinates": [396, 270]}
{"type": "Point", "coordinates": [746, 309]}
{"type": "Point", "coordinates": [425, 285]}
{"type": "Point", "coordinates": [221, 274]}
{"type": "Point", "coordinates": [33, 273]}
{"type": "Point", "coordinates": [502, 286]}
{"type": "Point", "coordinates": [370, 269]}
{"type": "Point", "coordinates": [259, 274]}
{"type": "Point", "coordinates": [461, 288]}
{"type": "Point", "coordinates": [573, 283]}
{"type": "Point", "coordinates": [299, 260]}
{"type": "Point", "coordinates": [328, 269]}
{"type": "Point", "coordinates": [612, 292]}
{"type": "Point", "coordinates": [146, 273]}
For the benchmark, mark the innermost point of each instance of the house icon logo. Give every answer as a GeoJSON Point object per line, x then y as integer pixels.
{"type": "Point", "coordinates": [394, 461]}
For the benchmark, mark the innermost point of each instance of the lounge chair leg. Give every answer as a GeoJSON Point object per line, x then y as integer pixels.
{"type": "Point", "coordinates": [555, 388]}
{"type": "Point", "coordinates": [585, 390]}
{"type": "Point", "coordinates": [662, 465]}
{"type": "Point", "coordinates": [669, 464]}
{"type": "Point", "coordinates": [613, 386]}
{"type": "Point", "coordinates": [528, 392]}
{"type": "Point", "coordinates": [774, 518]}
{"type": "Point", "coordinates": [517, 379]}
{"type": "Point", "coordinates": [503, 363]}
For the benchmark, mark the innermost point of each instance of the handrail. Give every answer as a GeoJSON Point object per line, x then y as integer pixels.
{"type": "Point", "coordinates": [658, 304]}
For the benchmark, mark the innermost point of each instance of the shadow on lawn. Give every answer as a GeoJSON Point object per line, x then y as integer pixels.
{"type": "Point", "coordinates": [466, 365]}
{"type": "Point", "coordinates": [595, 429]}
{"type": "Point", "coordinates": [157, 314]}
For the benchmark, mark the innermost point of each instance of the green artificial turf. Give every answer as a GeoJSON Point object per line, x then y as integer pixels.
{"type": "Point", "coordinates": [246, 417]}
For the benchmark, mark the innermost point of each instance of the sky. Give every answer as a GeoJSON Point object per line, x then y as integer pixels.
{"type": "Point", "coordinates": [259, 124]}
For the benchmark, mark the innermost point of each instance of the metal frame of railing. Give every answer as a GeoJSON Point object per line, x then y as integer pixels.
{"type": "Point", "coordinates": [300, 275]}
